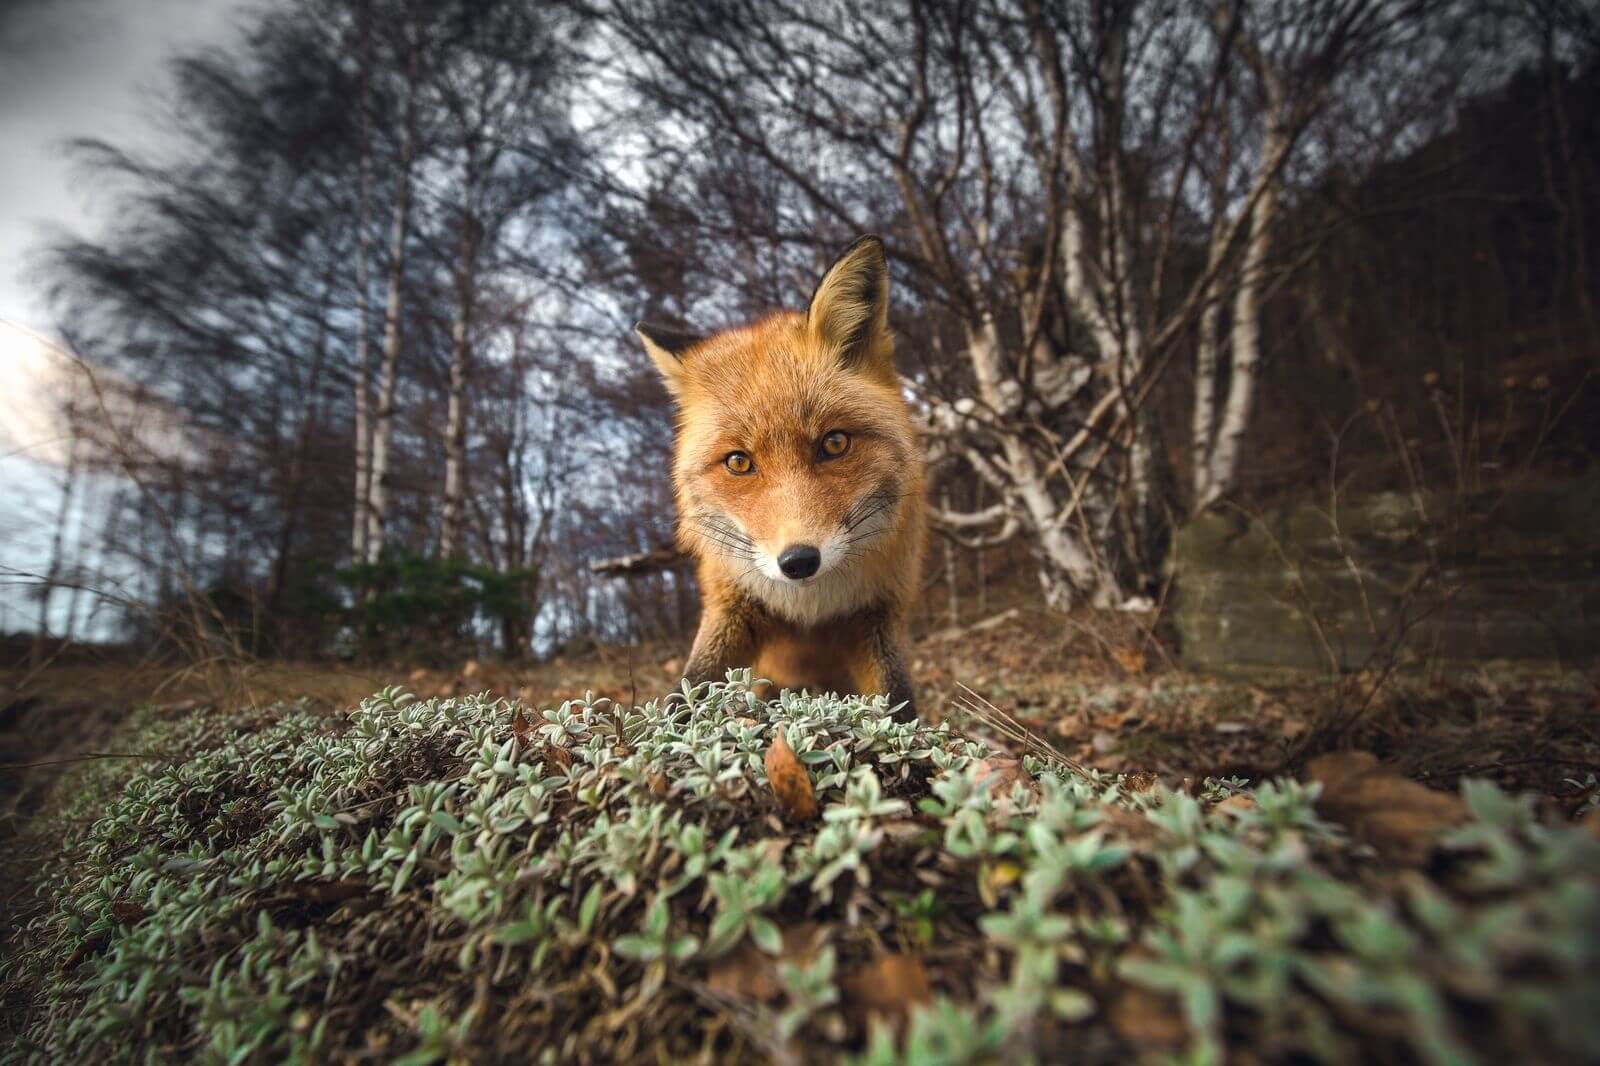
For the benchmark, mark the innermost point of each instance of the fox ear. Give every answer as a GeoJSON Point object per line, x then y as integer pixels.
{"type": "Point", "coordinates": [666, 347]}
{"type": "Point", "coordinates": [850, 308]}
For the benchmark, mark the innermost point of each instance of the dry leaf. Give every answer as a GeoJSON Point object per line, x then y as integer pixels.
{"type": "Point", "coordinates": [790, 783]}
{"type": "Point", "coordinates": [1236, 804]}
{"type": "Point", "coordinates": [672, 668]}
{"type": "Point", "coordinates": [127, 913]}
{"type": "Point", "coordinates": [887, 988]}
{"type": "Point", "coordinates": [999, 772]}
{"type": "Point", "coordinates": [1140, 781]}
{"type": "Point", "coordinates": [1148, 1020]}
{"type": "Point", "coordinates": [1397, 816]}
{"type": "Point", "coordinates": [1071, 725]}
{"type": "Point", "coordinates": [1131, 660]}
{"type": "Point", "coordinates": [749, 973]}
{"type": "Point", "coordinates": [472, 669]}
{"type": "Point", "coordinates": [521, 727]}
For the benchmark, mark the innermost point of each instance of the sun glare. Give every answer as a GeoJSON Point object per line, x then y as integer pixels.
{"type": "Point", "coordinates": [31, 376]}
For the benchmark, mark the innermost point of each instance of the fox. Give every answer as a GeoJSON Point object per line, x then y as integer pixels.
{"type": "Point", "coordinates": [799, 480]}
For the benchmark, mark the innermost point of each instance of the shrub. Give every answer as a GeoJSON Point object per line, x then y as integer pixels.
{"type": "Point", "coordinates": [441, 880]}
{"type": "Point", "coordinates": [437, 611]}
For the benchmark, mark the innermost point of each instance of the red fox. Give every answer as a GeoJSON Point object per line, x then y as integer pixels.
{"type": "Point", "coordinates": [799, 480]}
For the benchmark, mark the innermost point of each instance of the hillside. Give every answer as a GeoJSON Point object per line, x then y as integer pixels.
{"type": "Point", "coordinates": [444, 879]}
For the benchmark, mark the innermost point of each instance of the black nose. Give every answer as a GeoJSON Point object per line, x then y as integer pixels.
{"type": "Point", "coordinates": [799, 561]}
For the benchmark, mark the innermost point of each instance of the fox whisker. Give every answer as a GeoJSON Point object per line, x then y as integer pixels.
{"type": "Point", "coordinates": [868, 506]}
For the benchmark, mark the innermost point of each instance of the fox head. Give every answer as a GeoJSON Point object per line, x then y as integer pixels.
{"type": "Point", "coordinates": [797, 468]}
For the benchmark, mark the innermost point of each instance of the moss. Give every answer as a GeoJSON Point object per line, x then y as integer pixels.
{"type": "Point", "coordinates": [441, 880]}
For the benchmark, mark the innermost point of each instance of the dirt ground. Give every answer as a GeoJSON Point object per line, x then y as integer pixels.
{"type": "Point", "coordinates": [1098, 690]}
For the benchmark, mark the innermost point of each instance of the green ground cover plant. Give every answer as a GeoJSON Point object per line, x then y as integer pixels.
{"type": "Point", "coordinates": [463, 879]}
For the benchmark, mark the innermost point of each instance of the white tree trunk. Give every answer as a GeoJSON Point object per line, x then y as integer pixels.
{"type": "Point", "coordinates": [1205, 405]}
{"type": "Point", "coordinates": [455, 434]}
{"type": "Point", "coordinates": [363, 397]}
{"type": "Point", "coordinates": [455, 443]}
{"type": "Point", "coordinates": [1068, 570]}
{"type": "Point", "coordinates": [455, 438]}
{"type": "Point", "coordinates": [1245, 341]}
{"type": "Point", "coordinates": [383, 429]}
{"type": "Point", "coordinates": [53, 573]}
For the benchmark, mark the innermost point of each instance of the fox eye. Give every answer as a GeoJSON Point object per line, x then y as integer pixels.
{"type": "Point", "coordinates": [835, 444]}
{"type": "Point", "coordinates": [738, 463]}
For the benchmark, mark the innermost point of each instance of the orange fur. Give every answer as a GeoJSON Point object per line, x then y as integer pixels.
{"type": "Point", "coordinates": [773, 390]}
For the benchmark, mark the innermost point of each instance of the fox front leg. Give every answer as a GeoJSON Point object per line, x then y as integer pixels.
{"type": "Point", "coordinates": [883, 670]}
{"type": "Point", "coordinates": [723, 642]}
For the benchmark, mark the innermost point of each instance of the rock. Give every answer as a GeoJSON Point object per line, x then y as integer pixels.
{"type": "Point", "coordinates": [1517, 580]}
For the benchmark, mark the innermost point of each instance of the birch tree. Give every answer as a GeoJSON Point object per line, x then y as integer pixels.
{"type": "Point", "coordinates": [378, 489]}
{"type": "Point", "coordinates": [1040, 170]}
{"type": "Point", "coordinates": [359, 516]}
{"type": "Point", "coordinates": [502, 123]}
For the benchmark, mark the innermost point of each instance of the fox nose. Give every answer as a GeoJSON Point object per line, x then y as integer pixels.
{"type": "Point", "coordinates": [799, 561]}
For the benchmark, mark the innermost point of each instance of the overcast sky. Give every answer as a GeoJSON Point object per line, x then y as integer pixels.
{"type": "Point", "coordinates": [68, 68]}
{"type": "Point", "coordinates": [78, 68]}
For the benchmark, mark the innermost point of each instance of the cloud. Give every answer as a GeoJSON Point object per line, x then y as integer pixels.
{"type": "Point", "coordinates": [79, 68]}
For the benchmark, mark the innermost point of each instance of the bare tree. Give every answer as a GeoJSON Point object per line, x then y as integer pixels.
{"type": "Point", "coordinates": [1040, 169]}
{"type": "Point", "coordinates": [378, 490]}
{"type": "Point", "coordinates": [363, 369]}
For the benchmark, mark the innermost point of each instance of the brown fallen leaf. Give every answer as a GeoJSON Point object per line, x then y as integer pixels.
{"type": "Point", "coordinates": [1397, 816]}
{"type": "Point", "coordinates": [999, 772]}
{"type": "Point", "coordinates": [127, 913]}
{"type": "Point", "coordinates": [1131, 660]}
{"type": "Point", "coordinates": [749, 973]}
{"type": "Point", "coordinates": [790, 783]}
{"type": "Point", "coordinates": [92, 945]}
{"type": "Point", "coordinates": [1148, 1020]}
{"type": "Point", "coordinates": [1236, 804]}
{"type": "Point", "coordinates": [886, 988]}
{"type": "Point", "coordinates": [1140, 781]}
{"type": "Point", "coordinates": [521, 727]}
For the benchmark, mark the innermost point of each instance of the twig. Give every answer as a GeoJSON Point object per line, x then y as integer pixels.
{"type": "Point", "coordinates": [976, 706]}
{"type": "Point", "coordinates": [83, 757]}
{"type": "Point", "coordinates": [1501, 764]}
